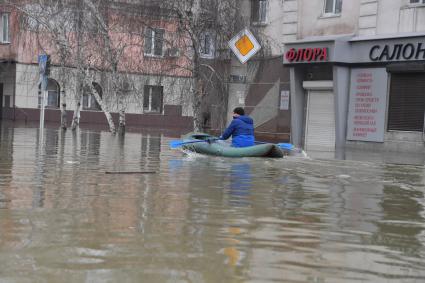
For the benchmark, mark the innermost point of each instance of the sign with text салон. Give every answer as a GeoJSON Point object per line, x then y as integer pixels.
{"type": "Point", "coordinates": [368, 100]}
{"type": "Point", "coordinates": [396, 52]}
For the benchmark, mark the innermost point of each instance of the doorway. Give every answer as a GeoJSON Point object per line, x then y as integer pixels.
{"type": "Point", "coordinates": [320, 116]}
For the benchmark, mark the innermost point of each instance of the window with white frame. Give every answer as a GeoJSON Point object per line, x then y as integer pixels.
{"type": "Point", "coordinates": [53, 94]}
{"type": "Point", "coordinates": [333, 7]}
{"type": "Point", "coordinates": [206, 45]}
{"type": "Point", "coordinates": [4, 28]}
{"type": "Point", "coordinates": [259, 11]}
{"type": "Point", "coordinates": [152, 99]}
{"type": "Point", "coordinates": [154, 40]}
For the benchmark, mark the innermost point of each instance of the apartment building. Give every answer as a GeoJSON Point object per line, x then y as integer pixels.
{"type": "Point", "coordinates": [155, 99]}
{"type": "Point", "coordinates": [357, 73]}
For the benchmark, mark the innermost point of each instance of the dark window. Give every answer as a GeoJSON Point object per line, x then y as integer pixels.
{"type": "Point", "coordinates": [7, 101]}
{"type": "Point", "coordinates": [154, 40]}
{"type": "Point", "coordinates": [259, 11]}
{"type": "Point", "coordinates": [417, 1]}
{"type": "Point", "coordinates": [152, 99]}
{"type": "Point", "coordinates": [407, 102]}
{"type": "Point", "coordinates": [207, 46]}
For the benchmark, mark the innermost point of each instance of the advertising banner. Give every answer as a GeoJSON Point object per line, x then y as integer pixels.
{"type": "Point", "coordinates": [368, 100]}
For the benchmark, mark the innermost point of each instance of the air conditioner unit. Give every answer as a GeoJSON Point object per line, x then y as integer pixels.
{"type": "Point", "coordinates": [173, 52]}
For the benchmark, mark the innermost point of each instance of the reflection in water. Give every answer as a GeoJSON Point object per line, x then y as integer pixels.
{"type": "Point", "coordinates": [240, 184]}
{"type": "Point", "coordinates": [400, 228]}
{"type": "Point", "coordinates": [200, 219]}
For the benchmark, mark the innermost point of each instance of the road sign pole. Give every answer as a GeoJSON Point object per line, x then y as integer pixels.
{"type": "Point", "coordinates": [42, 108]}
{"type": "Point", "coordinates": [43, 65]}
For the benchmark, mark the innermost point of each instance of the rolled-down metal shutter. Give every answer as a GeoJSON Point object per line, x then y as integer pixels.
{"type": "Point", "coordinates": [320, 121]}
{"type": "Point", "coordinates": [407, 102]}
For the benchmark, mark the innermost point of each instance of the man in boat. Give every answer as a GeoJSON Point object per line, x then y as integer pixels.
{"type": "Point", "coordinates": [241, 129]}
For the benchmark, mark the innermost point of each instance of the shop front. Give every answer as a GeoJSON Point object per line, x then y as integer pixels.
{"type": "Point", "coordinates": [358, 92]}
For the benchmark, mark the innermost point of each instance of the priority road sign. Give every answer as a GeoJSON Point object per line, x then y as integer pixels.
{"type": "Point", "coordinates": [244, 45]}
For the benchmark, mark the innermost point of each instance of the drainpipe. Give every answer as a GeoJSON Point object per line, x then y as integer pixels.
{"type": "Point", "coordinates": [423, 130]}
{"type": "Point", "coordinates": [14, 97]}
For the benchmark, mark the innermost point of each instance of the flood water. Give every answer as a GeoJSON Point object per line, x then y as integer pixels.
{"type": "Point", "coordinates": [200, 219]}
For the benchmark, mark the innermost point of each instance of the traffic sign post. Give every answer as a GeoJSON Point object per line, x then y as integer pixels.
{"type": "Point", "coordinates": [44, 69]}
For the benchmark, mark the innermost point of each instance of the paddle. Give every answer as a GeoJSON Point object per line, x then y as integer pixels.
{"type": "Point", "coordinates": [179, 143]}
{"type": "Point", "coordinates": [282, 145]}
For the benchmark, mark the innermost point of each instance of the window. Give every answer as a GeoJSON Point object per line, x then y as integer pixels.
{"type": "Point", "coordinates": [7, 101]}
{"type": "Point", "coordinates": [417, 1]}
{"type": "Point", "coordinates": [4, 26]}
{"type": "Point", "coordinates": [154, 39]}
{"type": "Point", "coordinates": [206, 45]}
{"type": "Point", "coordinates": [89, 101]}
{"type": "Point", "coordinates": [152, 99]}
{"type": "Point", "coordinates": [53, 94]}
{"type": "Point", "coordinates": [333, 7]}
{"type": "Point", "coordinates": [259, 11]}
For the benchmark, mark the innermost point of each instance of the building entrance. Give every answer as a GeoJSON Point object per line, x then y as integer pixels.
{"type": "Point", "coordinates": [320, 119]}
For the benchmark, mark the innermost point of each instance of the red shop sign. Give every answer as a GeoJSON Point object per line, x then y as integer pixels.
{"type": "Point", "coordinates": [307, 54]}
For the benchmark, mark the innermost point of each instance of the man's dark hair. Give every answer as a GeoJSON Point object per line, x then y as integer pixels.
{"type": "Point", "coordinates": [239, 111]}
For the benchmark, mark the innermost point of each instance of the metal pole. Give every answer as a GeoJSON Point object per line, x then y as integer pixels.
{"type": "Point", "coordinates": [42, 110]}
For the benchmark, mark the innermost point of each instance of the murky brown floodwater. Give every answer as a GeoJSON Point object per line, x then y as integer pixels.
{"type": "Point", "coordinates": [200, 219]}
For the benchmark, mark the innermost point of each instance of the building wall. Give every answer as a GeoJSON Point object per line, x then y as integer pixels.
{"type": "Point", "coordinates": [398, 16]}
{"type": "Point", "coordinates": [313, 22]}
{"type": "Point", "coordinates": [350, 38]}
{"type": "Point", "coordinates": [20, 74]}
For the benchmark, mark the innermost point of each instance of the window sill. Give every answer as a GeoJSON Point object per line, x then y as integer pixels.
{"type": "Point", "coordinates": [259, 24]}
{"type": "Point", "coordinates": [415, 5]}
{"type": "Point", "coordinates": [206, 56]}
{"type": "Point", "coordinates": [330, 16]}
{"type": "Point", "coordinates": [4, 42]}
{"type": "Point", "coordinates": [151, 56]}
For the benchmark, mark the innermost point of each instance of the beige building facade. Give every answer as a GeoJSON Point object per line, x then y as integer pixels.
{"type": "Point", "coordinates": [357, 74]}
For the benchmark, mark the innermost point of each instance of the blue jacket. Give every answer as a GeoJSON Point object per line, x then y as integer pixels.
{"type": "Point", "coordinates": [242, 131]}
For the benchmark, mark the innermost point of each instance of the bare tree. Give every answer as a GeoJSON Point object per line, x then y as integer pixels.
{"type": "Point", "coordinates": [84, 35]}
{"type": "Point", "coordinates": [205, 25]}
{"type": "Point", "coordinates": [99, 38]}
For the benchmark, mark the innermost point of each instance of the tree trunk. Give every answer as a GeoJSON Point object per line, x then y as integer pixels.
{"type": "Point", "coordinates": [197, 104]}
{"type": "Point", "coordinates": [102, 106]}
{"type": "Point", "coordinates": [76, 117]}
{"type": "Point", "coordinates": [121, 127]}
{"type": "Point", "coordinates": [64, 122]}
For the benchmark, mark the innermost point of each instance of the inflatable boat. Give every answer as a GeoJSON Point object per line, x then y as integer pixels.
{"type": "Point", "coordinates": [210, 145]}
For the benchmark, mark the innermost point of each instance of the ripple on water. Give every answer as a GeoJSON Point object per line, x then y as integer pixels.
{"type": "Point", "coordinates": [296, 219]}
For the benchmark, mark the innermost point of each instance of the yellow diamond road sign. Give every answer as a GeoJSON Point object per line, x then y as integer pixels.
{"type": "Point", "coordinates": [244, 45]}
